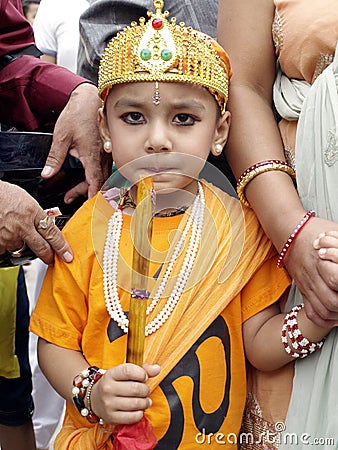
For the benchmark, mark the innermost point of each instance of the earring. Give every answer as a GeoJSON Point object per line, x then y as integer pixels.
{"type": "Point", "coordinates": [107, 146]}
{"type": "Point", "coordinates": [217, 150]}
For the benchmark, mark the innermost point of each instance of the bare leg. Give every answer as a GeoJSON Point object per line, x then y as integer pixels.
{"type": "Point", "coordinates": [18, 437]}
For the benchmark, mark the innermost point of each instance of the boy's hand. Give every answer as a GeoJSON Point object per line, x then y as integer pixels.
{"type": "Point", "coordinates": [327, 246]}
{"type": "Point", "coordinates": [121, 395]}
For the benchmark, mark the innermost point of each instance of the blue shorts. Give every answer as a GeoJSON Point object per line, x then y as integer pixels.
{"type": "Point", "coordinates": [16, 403]}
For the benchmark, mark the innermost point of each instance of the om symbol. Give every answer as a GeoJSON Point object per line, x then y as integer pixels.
{"type": "Point", "coordinates": [189, 366]}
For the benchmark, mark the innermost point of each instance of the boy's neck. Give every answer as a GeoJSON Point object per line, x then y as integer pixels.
{"type": "Point", "coordinates": [166, 204]}
{"type": "Point", "coordinates": [173, 203]}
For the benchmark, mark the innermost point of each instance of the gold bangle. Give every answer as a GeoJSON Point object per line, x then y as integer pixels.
{"type": "Point", "coordinates": [258, 168]}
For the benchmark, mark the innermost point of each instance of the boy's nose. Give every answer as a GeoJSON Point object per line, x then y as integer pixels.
{"type": "Point", "coordinates": [158, 141]}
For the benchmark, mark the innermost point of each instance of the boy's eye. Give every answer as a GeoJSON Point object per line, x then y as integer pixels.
{"type": "Point", "coordinates": [184, 119]}
{"type": "Point", "coordinates": [133, 118]}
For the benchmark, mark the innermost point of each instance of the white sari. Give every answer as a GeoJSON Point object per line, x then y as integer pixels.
{"type": "Point", "coordinates": [313, 409]}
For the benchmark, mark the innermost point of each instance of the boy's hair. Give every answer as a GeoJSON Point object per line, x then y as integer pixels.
{"type": "Point", "coordinates": [159, 50]}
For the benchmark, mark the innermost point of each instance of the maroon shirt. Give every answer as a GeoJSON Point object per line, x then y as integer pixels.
{"type": "Point", "coordinates": [32, 92]}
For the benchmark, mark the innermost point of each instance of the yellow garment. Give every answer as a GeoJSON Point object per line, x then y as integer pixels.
{"type": "Point", "coordinates": [9, 364]}
{"type": "Point", "coordinates": [199, 348]}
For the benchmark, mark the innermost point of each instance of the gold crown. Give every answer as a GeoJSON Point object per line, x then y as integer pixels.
{"type": "Point", "coordinates": [159, 50]}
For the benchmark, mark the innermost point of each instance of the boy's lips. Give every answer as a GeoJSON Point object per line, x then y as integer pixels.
{"type": "Point", "coordinates": [159, 170]}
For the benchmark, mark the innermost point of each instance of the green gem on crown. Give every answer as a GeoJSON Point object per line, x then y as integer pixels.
{"type": "Point", "coordinates": [166, 54]}
{"type": "Point", "coordinates": [145, 54]}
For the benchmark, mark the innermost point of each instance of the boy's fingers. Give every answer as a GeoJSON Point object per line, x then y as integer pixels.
{"type": "Point", "coordinates": [128, 371]}
{"type": "Point", "coordinates": [152, 369]}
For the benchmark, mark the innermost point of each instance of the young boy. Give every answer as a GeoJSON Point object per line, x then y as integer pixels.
{"type": "Point", "coordinates": [164, 89]}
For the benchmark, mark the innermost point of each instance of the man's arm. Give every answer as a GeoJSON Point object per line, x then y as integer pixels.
{"type": "Point", "coordinates": [32, 93]}
{"type": "Point", "coordinates": [37, 95]}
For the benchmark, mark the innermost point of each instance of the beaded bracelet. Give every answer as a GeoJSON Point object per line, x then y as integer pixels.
{"type": "Point", "coordinates": [291, 330]}
{"type": "Point", "coordinates": [298, 341]}
{"type": "Point", "coordinates": [258, 168]}
{"type": "Point", "coordinates": [292, 237]}
{"type": "Point", "coordinates": [92, 417]}
{"type": "Point", "coordinates": [82, 387]}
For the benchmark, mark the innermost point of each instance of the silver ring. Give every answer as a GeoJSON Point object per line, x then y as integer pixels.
{"type": "Point", "coordinates": [43, 223]}
{"type": "Point", "coordinates": [18, 253]}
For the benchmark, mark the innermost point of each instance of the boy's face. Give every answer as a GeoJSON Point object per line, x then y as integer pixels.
{"type": "Point", "coordinates": [169, 141]}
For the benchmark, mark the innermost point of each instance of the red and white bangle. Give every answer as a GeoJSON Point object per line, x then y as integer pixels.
{"type": "Point", "coordinates": [293, 235]}
{"type": "Point", "coordinates": [291, 333]}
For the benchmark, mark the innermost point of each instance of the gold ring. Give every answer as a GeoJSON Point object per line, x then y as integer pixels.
{"type": "Point", "coordinates": [43, 223]}
{"type": "Point", "coordinates": [18, 253]}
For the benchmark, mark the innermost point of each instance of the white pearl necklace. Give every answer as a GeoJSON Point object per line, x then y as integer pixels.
{"type": "Point", "coordinates": [110, 259]}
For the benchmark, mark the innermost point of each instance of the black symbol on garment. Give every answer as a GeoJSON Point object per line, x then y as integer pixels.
{"type": "Point", "coordinates": [114, 332]}
{"type": "Point", "coordinates": [189, 366]}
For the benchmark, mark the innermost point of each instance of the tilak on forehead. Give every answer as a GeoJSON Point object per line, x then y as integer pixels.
{"type": "Point", "coordinates": [159, 50]}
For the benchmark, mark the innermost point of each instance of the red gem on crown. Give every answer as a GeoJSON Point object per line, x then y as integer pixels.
{"type": "Point", "coordinates": [157, 24]}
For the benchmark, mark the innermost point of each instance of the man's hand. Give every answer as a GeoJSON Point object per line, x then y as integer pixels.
{"type": "Point", "coordinates": [76, 132]}
{"type": "Point", "coordinates": [20, 216]}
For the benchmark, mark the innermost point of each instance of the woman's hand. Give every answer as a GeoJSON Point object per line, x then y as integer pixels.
{"type": "Point", "coordinates": [122, 395]}
{"type": "Point", "coordinates": [315, 276]}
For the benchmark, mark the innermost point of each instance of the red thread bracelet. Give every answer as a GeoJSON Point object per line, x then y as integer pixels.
{"type": "Point", "coordinates": [293, 235]}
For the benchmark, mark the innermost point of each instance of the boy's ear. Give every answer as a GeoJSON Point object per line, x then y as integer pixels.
{"type": "Point", "coordinates": [222, 130]}
{"type": "Point", "coordinates": [104, 131]}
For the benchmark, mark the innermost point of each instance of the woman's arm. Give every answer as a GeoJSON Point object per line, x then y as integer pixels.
{"type": "Point", "coordinates": [245, 31]}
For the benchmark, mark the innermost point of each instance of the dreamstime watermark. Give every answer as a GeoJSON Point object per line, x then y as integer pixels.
{"type": "Point", "coordinates": [278, 437]}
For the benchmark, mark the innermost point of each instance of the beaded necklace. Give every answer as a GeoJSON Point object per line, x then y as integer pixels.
{"type": "Point", "coordinates": [110, 259]}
